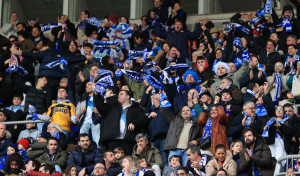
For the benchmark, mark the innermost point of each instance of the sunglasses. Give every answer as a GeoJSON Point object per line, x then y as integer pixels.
{"type": "Point", "coordinates": [12, 41]}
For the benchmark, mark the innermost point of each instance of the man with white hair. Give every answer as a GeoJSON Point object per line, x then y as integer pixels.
{"type": "Point", "coordinates": [222, 70]}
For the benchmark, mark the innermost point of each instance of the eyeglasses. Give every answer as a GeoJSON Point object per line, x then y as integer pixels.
{"type": "Point", "coordinates": [279, 109]}
{"type": "Point", "coordinates": [94, 33]}
{"type": "Point", "coordinates": [252, 108]}
{"type": "Point", "coordinates": [12, 41]}
{"type": "Point", "coordinates": [51, 127]}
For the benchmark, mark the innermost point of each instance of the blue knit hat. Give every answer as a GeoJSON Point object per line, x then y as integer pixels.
{"type": "Point", "coordinates": [190, 72]}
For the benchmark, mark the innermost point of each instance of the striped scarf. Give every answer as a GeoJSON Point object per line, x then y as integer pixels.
{"type": "Point", "coordinates": [136, 76]}
{"type": "Point", "coordinates": [278, 87]}
{"type": "Point", "coordinates": [248, 120]}
{"type": "Point", "coordinates": [207, 131]}
{"type": "Point", "coordinates": [287, 24]}
{"type": "Point", "coordinates": [260, 110]}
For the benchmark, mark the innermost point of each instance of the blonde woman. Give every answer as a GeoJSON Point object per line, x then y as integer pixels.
{"type": "Point", "coordinates": [55, 130]}
{"type": "Point", "coordinates": [129, 167]}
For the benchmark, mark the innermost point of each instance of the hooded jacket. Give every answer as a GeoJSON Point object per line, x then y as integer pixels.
{"type": "Point", "coordinates": [204, 74]}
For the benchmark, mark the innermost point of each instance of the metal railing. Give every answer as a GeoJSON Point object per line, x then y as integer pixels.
{"type": "Point", "coordinates": [283, 170]}
{"type": "Point", "coordinates": [22, 122]}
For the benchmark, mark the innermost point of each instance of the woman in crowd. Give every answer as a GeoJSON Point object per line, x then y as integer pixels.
{"type": "Point", "coordinates": [222, 160]}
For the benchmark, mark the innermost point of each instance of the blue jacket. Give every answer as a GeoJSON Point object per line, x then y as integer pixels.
{"type": "Point", "coordinates": [87, 160]}
{"type": "Point", "coordinates": [157, 126]}
{"type": "Point", "coordinates": [48, 56]}
{"type": "Point", "coordinates": [179, 39]}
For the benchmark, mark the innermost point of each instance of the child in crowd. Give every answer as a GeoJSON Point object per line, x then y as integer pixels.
{"type": "Point", "coordinates": [119, 154]}
{"type": "Point", "coordinates": [11, 149]}
{"type": "Point", "coordinates": [143, 165]}
{"type": "Point", "coordinates": [174, 163]}
{"type": "Point", "coordinates": [17, 100]}
{"type": "Point", "coordinates": [23, 145]}
{"type": "Point", "coordinates": [30, 133]}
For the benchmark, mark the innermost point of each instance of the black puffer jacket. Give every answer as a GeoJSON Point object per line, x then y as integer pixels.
{"type": "Point", "coordinates": [269, 61]}
{"type": "Point", "coordinates": [111, 115]}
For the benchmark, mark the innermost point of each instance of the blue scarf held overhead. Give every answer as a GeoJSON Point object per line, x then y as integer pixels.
{"type": "Point", "coordinates": [15, 68]}
{"type": "Point", "coordinates": [208, 126]}
{"type": "Point", "coordinates": [136, 76]}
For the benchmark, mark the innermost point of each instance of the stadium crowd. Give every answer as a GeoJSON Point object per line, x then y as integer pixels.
{"type": "Point", "coordinates": [156, 99]}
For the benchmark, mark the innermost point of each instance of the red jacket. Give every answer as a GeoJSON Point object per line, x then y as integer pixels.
{"type": "Point", "coordinates": [35, 173]}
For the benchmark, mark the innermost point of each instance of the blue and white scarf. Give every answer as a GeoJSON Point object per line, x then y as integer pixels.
{"type": "Point", "coordinates": [241, 29]}
{"type": "Point", "coordinates": [260, 110]}
{"type": "Point", "coordinates": [292, 70]}
{"type": "Point", "coordinates": [14, 109]}
{"type": "Point", "coordinates": [228, 27]}
{"type": "Point", "coordinates": [166, 79]}
{"type": "Point", "coordinates": [250, 92]}
{"type": "Point", "coordinates": [266, 10]}
{"type": "Point", "coordinates": [248, 120]}
{"type": "Point", "coordinates": [269, 123]}
{"type": "Point", "coordinates": [15, 68]}
{"type": "Point", "coordinates": [164, 102]}
{"type": "Point", "coordinates": [103, 83]}
{"type": "Point", "coordinates": [208, 126]}
{"type": "Point", "coordinates": [287, 24]}
{"type": "Point", "coordinates": [148, 68]}
{"type": "Point", "coordinates": [132, 54]}
{"type": "Point", "coordinates": [61, 63]}
{"type": "Point", "coordinates": [246, 56]}
{"type": "Point", "coordinates": [255, 21]}
{"type": "Point", "coordinates": [177, 67]}
{"type": "Point", "coordinates": [47, 27]}
{"type": "Point", "coordinates": [237, 61]}
{"type": "Point", "coordinates": [119, 64]}
{"type": "Point", "coordinates": [278, 88]}
{"type": "Point", "coordinates": [32, 112]}
{"type": "Point", "coordinates": [260, 67]}
{"type": "Point", "coordinates": [215, 63]}
{"type": "Point", "coordinates": [121, 31]}
{"type": "Point", "coordinates": [154, 82]}
{"type": "Point", "coordinates": [136, 76]}
{"type": "Point", "coordinates": [106, 44]}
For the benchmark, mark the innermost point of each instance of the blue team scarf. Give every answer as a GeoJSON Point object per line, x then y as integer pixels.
{"type": "Point", "coordinates": [241, 29]}
{"type": "Point", "coordinates": [260, 110]}
{"type": "Point", "coordinates": [265, 10]}
{"type": "Point", "coordinates": [228, 27]}
{"type": "Point", "coordinates": [93, 21]}
{"type": "Point", "coordinates": [248, 120]}
{"type": "Point", "coordinates": [255, 20]}
{"type": "Point", "coordinates": [121, 31]}
{"type": "Point", "coordinates": [136, 76]}
{"type": "Point", "coordinates": [269, 123]}
{"type": "Point", "coordinates": [164, 102]}
{"type": "Point", "coordinates": [148, 68]}
{"type": "Point", "coordinates": [47, 27]}
{"type": "Point", "coordinates": [246, 56]}
{"type": "Point", "coordinates": [15, 68]}
{"type": "Point", "coordinates": [237, 42]}
{"type": "Point", "coordinates": [154, 82]}
{"type": "Point", "coordinates": [61, 62]}
{"type": "Point", "coordinates": [106, 44]}
{"type": "Point", "coordinates": [119, 64]}
{"type": "Point", "coordinates": [132, 54]}
{"type": "Point", "coordinates": [278, 87]}
{"type": "Point", "coordinates": [15, 109]}
{"type": "Point", "coordinates": [260, 67]}
{"type": "Point", "coordinates": [56, 134]}
{"type": "Point", "coordinates": [292, 70]}
{"type": "Point", "coordinates": [215, 63]}
{"type": "Point", "coordinates": [287, 24]}
{"type": "Point", "coordinates": [177, 67]}
{"type": "Point", "coordinates": [250, 92]}
{"type": "Point", "coordinates": [103, 83]}
{"type": "Point", "coordinates": [237, 61]}
{"type": "Point", "coordinates": [207, 131]}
